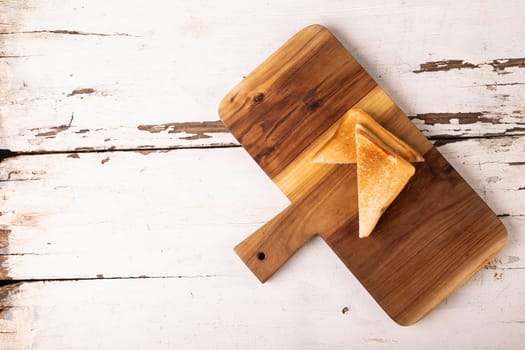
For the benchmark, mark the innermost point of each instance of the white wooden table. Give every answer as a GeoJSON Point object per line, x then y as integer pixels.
{"type": "Point", "coordinates": [122, 195]}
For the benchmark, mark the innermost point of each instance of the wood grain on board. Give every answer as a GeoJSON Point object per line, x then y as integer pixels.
{"type": "Point", "coordinates": [419, 254]}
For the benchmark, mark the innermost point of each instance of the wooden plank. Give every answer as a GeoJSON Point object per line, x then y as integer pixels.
{"type": "Point", "coordinates": [142, 73]}
{"type": "Point", "coordinates": [98, 223]}
{"type": "Point", "coordinates": [148, 204]}
{"type": "Point", "coordinates": [219, 312]}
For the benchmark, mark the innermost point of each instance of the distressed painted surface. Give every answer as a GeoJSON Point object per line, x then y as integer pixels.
{"type": "Point", "coordinates": [122, 214]}
{"type": "Point", "coordinates": [132, 248]}
{"type": "Point", "coordinates": [295, 310]}
{"type": "Point", "coordinates": [76, 82]}
{"type": "Point", "coordinates": [186, 207]}
{"type": "Point", "coordinates": [147, 248]}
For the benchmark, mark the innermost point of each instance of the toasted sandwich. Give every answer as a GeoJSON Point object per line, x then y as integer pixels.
{"type": "Point", "coordinates": [341, 148]}
{"type": "Point", "coordinates": [381, 176]}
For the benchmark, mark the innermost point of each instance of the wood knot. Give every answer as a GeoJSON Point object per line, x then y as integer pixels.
{"type": "Point", "coordinates": [258, 98]}
{"type": "Point", "coordinates": [314, 105]}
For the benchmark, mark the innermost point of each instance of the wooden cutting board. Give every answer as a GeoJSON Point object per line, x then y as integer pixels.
{"type": "Point", "coordinates": [433, 237]}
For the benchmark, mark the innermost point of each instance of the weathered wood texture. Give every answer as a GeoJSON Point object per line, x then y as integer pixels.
{"type": "Point", "coordinates": [144, 204]}
{"type": "Point", "coordinates": [204, 312]}
{"type": "Point", "coordinates": [132, 74]}
{"type": "Point", "coordinates": [205, 283]}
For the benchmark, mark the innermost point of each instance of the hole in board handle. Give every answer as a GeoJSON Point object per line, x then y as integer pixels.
{"type": "Point", "coordinates": [261, 256]}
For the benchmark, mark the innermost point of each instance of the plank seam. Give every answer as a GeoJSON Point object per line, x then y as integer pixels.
{"type": "Point", "coordinates": [69, 32]}
{"type": "Point", "coordinates": [7, 282]}
{"type": "Point", "coordinates": [6, 153]}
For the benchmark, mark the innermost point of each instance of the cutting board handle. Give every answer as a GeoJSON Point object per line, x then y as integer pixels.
{"type": "Point", "coordinates": [268, 248]}
{"type": "Point", "coordinates": [323, 209]}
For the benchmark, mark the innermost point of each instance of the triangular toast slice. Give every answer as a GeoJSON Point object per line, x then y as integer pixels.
{"type": "Point", "coordinates": [381, 175]}
{"type": "Point", "coordinates": [341, 147]}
